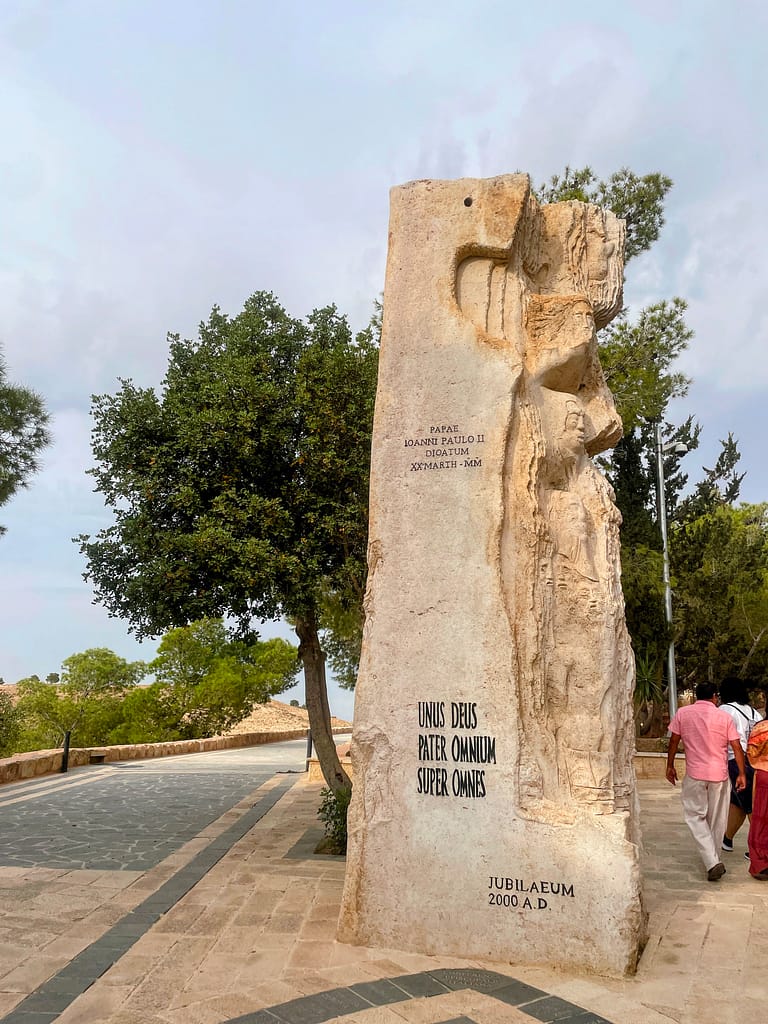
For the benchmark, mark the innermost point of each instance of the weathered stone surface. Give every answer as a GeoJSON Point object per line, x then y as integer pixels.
{"type": "Point", "coordinates": [494, 812]}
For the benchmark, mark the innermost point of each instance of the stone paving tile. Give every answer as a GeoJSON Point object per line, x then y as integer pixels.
{"type": "Point", "coordinates": [289, 909]}
{"type": "Point", "coordinates": [27, 976]}
{"type": "Point", "coordinates": [118, 821]}
{"type": "Point", "coordinates": [375, 1015]}
{"type": "Point", "coordinates": [349, 975]}
{"type": "Point", "coordinates": [90, 963]}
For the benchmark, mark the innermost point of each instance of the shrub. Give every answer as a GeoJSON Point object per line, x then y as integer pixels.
{"type": "Point", "coordinates": [10, 725]}
{"type": "Point", "coordinates": [333, 814]}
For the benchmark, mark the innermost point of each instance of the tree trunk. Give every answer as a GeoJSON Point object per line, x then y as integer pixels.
{"type": "Point", "coordinates": [313, 660]}
{"type": "Point", "coordinates": [752, 649]}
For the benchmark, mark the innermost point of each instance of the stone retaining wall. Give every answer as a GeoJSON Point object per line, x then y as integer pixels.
{"type": "Point", "coordinates": [44, 762]}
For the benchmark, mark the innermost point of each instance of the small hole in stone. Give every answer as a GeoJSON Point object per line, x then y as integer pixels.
{"type": "Point", "coordinates": [468, 201]}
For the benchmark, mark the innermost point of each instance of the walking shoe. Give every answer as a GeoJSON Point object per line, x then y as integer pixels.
{"type": "Point", "coordinates": [716, 873]}
{"type": "Point", "coordinates": [746, 855]}
{"type": "Point", "coordinates": [727, 844]}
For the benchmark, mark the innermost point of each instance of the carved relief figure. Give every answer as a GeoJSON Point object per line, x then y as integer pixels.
{"type": "Point", "coordinates": [562, 280]}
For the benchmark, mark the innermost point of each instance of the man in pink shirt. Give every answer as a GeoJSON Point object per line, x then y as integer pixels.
{"type": "Point", "coordinates": [707, 732]}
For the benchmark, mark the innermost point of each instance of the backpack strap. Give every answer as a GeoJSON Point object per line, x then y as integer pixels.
{"type": "Point", "coordinates": [745, 717]}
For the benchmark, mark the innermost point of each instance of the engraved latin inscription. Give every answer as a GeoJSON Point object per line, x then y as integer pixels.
{"type": "Point", "coordinates": [452, 758]}
{"type": "Point", "coordinates": [444, 446]}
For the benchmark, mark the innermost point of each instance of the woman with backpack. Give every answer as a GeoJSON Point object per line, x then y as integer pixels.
{"type": "Point", "coordinates": [734, 700]}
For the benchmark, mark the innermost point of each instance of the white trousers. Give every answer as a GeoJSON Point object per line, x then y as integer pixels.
{"type": "Point", "coordinates": [705, 808]}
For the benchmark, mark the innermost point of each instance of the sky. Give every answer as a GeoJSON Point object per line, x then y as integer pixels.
{"type": "Point", "coordinates": [160, 158]}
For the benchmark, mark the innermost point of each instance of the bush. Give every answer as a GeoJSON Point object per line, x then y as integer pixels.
{"type": "Point", "coordinates": [10, 725]}
{"type": "Point", "coordinates": [333, 814]}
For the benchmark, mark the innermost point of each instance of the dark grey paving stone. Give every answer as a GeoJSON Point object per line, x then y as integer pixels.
{"type": "Point", "coordinates": [517, 992]}
{"type": "Point", "coordinates": [155, 906]}
{"type": "Point", "coordinates": [206, 860]}
{"type": "Point", "coordinates": [552, 1008]}
{"type": "Point", "coordinates": [480, 981]}
{"type": "Point", "coordinates": [117, 944]}
{"type": "Point", "coordinates": [148, 918]}
{"type": "Point", "coordinates": [458, 1020]}
{"type": "Point", "coordinates": [47, 1002]}
{"type": "Point", "coordinates": [260, 1017]}
{"type": "Point", "coordinates": [128, 929]}
{"type": "Point", "coordinates": [67, 984]}
{"type": "Point", "coordinates": [336, 1002]}
{"type": "Point", "coordinates": [379, 993]}
{"type": "Point", "coordinates": [420, 985]}
{"type": "Point", "coordinates": [18, 1016]}
{"type": "Point", "coordinates": [92, 962]}
{"type": "Point", "coordinates": [585, 1017]}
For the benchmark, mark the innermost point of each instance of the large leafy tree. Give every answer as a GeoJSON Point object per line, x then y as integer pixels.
{"type": "Point", "coordinates": [23, 435]}
{"type": "Point", "coordinates": [240, 488]}
{"type": "Point", "coordinates": [205, 683]}
{"type": "Point", "coordinates": [87, 704]}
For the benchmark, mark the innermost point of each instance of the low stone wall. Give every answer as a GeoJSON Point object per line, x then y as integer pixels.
{"type": "Point", "coordinates": [44, 762]}
{"type": "Point", "coordinates": [654, 766]}
{"type": "Point", "coordinates": [647, 766]}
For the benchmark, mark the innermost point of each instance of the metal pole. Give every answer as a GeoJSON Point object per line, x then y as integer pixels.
{"type": "Point", "coordinates": [662, 503]}
{"type": "Point", "coordinates": [65, 751]}
{"type": "Point", "coordinates": [309, 749]}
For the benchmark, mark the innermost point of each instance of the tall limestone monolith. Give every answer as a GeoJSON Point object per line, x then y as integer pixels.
{"type": "Point", "coordinates": [494, 812]}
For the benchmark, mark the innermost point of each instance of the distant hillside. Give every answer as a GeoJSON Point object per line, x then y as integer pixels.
{"type": "Point", "coordinates": [277, 717]}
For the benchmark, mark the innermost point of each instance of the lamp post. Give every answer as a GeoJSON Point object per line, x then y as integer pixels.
{"type": "Point", "coordinates": [661, 448]}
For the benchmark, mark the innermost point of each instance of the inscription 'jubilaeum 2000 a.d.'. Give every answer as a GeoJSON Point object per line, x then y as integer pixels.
{"type": "Point", "coordinates": [520, 894]}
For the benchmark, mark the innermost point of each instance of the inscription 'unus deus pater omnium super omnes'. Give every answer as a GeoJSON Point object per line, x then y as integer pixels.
{"type": "Point", "coordinates": [464, 747]}
{"type": "Point", "coordinates": [445, 447]}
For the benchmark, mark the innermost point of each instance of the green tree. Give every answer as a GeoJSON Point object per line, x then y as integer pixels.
{"type": "Point", "coordinates": [23, 435]}
{"type": "Point", "coordinates": [87, 703]}
{"type": "Point", "coordinates": [240, 489]}
{"type": "Point", "coordinates": [720, 486]}
{"type": "Point", "coordinates": [205, 683]}
{"type": "Point", "coordinates": [720, 566]}
{"type": "Point", "coordinates": [637, 361]}
{"type": "Point", "coordinates": [341, 627]}
{"type": "Point", "coordinates": [10, 725]}
{"type": "Point", "coordinates": [638, 200]}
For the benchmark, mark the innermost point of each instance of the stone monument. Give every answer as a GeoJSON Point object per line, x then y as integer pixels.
{"type": "Point", "coordinates": [493, 812]}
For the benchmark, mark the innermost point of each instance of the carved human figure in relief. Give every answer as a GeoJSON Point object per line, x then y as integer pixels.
{"type": "Point", "coordinates": [559, 547]}
{"type": "Point", "coordinates": [572, 407]}
{"type": "Point", "coordinates": [567, 517]}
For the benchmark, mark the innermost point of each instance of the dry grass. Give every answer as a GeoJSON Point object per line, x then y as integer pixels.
{"type": "Point", "coordinates": [276, 716]}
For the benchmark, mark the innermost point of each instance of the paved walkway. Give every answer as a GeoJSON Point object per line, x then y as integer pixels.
{"type": "Point", "coordinates": [186, 892]}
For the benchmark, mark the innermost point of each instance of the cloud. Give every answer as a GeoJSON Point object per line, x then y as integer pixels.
{"type": "Point", "coordinates": [163, 158]}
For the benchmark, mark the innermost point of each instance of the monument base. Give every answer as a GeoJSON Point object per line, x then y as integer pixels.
{"type": "Point", "coordinates": [567, 895]}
